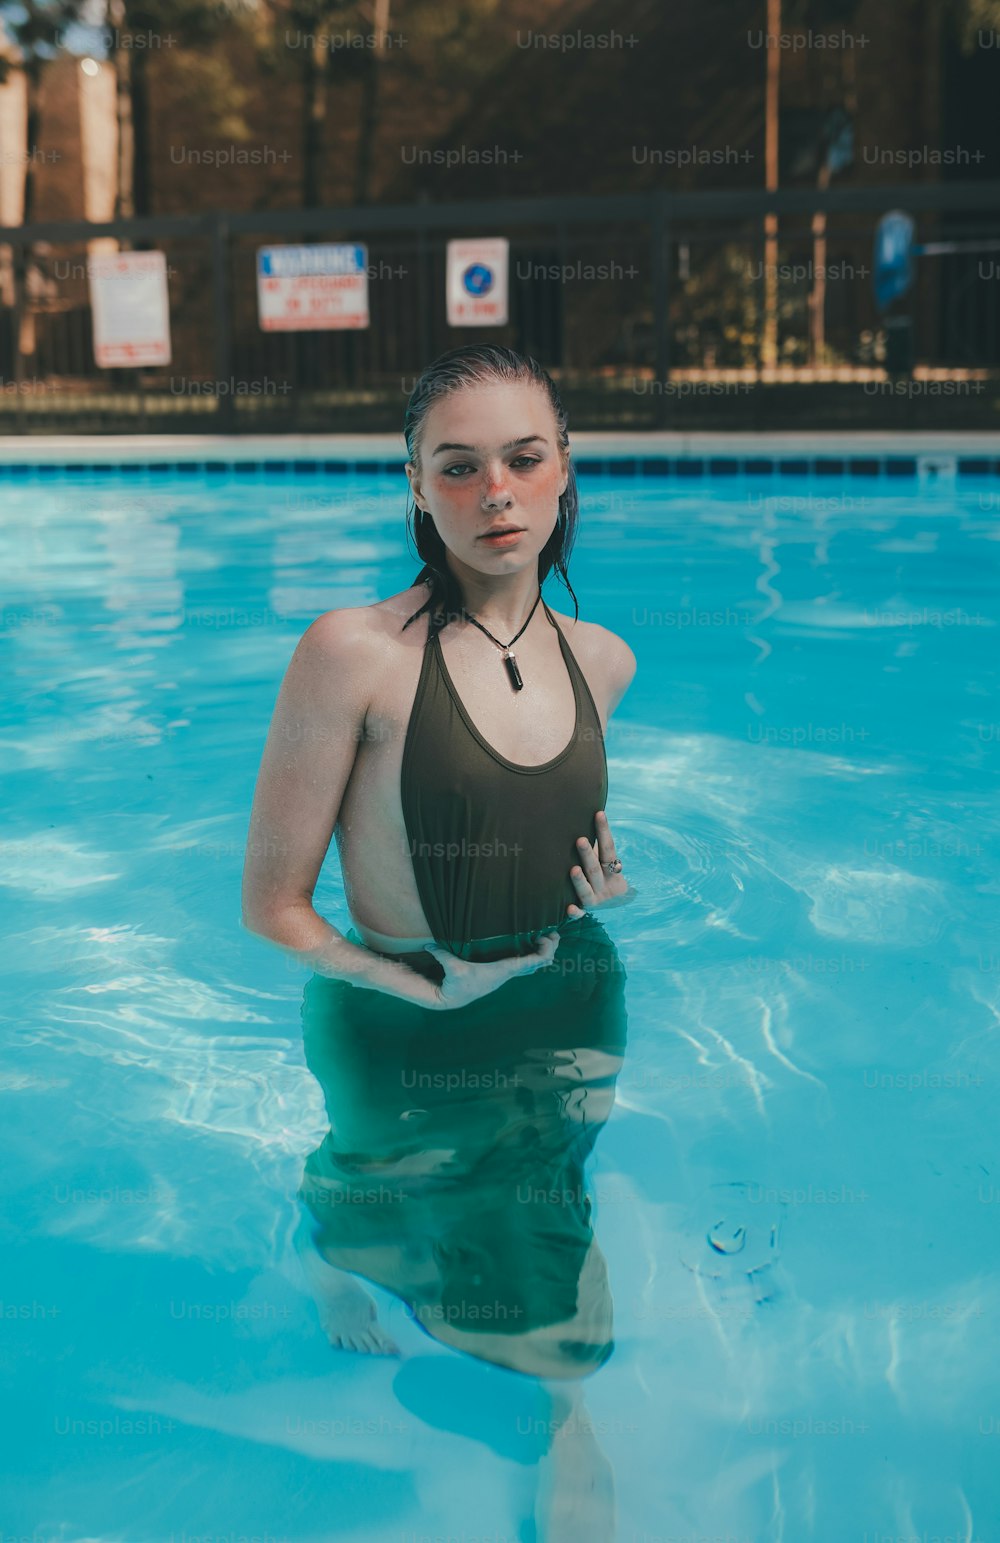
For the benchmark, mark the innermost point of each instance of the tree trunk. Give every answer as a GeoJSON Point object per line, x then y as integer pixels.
{"type": "Point", "coordinates": [369, 105]}
{"type": "Point", "coordinates": [24, 320]}
{"type": "Point", "coordinates": [769, 335]}
{"type": "Point", "coordinates": [32, 90]}
{"type": "Point", "coordinates": [313, 116]}
{"type": "Point", "coordinates": [817, 295]}
{"type": "Point", "coordinates": [121, 59]}
{"type": "Point", "coordinates": [141, 195]}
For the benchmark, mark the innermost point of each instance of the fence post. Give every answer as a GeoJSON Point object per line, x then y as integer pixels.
{"type": "Point", "coordinates": [423, 298]}
{"type": "Point", "coordinates": [226, 415]}
{"type": "Point", "coordinates": [18, 265]}
{"type": "Point", "coordinates": [661, 310]}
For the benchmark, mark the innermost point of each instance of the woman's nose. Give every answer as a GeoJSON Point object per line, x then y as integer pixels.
{"type": "Point", "coordinates": [495, 491]}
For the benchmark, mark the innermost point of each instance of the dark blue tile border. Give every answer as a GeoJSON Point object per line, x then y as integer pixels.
{"type": "Point", "coordinates": [894, 466]}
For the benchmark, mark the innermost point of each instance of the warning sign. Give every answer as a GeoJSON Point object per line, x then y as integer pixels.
{"type": "Point", "coordinates": [312, 288]}
{"type": "Point", "coordinates": [130, 308]}
{"type": "Point", "coordinates": [477, 282]}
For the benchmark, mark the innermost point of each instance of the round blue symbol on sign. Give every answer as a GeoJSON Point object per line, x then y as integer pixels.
{"type": "Point", "coordinates": [478, 279]}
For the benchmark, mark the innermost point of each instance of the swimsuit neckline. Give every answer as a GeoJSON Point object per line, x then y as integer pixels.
{"type": "Point", "coordinates": [515, 766]}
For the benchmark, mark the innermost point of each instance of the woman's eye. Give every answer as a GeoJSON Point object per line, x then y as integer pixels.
{"type": "Point", "coordinates": [459, 468]}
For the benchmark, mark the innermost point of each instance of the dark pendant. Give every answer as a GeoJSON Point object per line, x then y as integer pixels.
{"type": "Point", "coordinates": [513, 671]}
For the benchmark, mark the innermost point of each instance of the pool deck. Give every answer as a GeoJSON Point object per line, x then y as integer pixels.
{"type": "Point", "coordinates": [122, 449]}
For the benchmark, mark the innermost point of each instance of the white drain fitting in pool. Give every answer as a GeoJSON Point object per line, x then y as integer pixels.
{"type": "Point", "coordinates": [937, 468]}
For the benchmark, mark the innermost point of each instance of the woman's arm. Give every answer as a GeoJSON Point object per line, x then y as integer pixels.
{"type": "Point", "coordinates": [593, 884]}
{"type": "Point", "coordinates": [315, 731]}
{"type": "Point", "coordinates": [621, 664]}
{"type": "Point", "coordinates": [317, 725]}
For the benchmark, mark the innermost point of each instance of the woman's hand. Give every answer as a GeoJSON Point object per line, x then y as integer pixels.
{"type": "Point", "coordinates": [466, 981]}
{"type": "Point", "coordinates": [593, 883]}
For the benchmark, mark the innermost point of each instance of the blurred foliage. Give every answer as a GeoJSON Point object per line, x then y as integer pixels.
{"type": "Point", "coordinates": [208, 87]}
{"type": "Point", "coordinates": [970, 17]}
{"type": "Point", "coordinates": [722, 311]}
{"type": "Point", "coordinates": [36, 30]}
{"type": "Point", "coordinates": [973, 17]}
{"type": "Point", "coordinates": [717, 311]}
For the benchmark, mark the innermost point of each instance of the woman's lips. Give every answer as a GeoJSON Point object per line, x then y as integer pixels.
{"type": "Point", "coordinates": [505, 538]}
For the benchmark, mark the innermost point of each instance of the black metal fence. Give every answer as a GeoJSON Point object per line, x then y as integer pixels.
{"type": "Point", "coordinates": [651, 311]}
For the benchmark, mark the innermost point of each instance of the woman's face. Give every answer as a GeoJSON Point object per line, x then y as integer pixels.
{"type": "Point", "coordinates": [489, 457]}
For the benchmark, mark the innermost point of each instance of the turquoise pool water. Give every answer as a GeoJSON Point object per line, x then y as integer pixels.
{"type": "Point", "coordinates": [797, 1189]}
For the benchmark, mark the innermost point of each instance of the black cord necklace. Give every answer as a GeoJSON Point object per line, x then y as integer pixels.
{"type": "Point", "coordinates": [510, 662]}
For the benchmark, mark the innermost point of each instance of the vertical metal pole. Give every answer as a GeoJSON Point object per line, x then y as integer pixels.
{"type": "Point", "coordinates": [225, 417]}
{"type": "Point", "coordinates": [423, 298]}
{"type": "Point", "coordinates": [661, 310]}
{"type": "Point", "coordinates": [17, 358]}
{"type": "Point", "coordinates": [557, 345]}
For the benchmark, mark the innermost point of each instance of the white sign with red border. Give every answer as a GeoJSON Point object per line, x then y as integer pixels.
{"type": "Point", "coordinates": [477, 282]}
{"type": "Point", "coordinates": [312, 288]}
{"type": "Point", "coordinates": [130, 308]}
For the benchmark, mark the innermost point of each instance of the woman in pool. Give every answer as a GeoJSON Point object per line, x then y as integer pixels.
{"type": "Point", "coordinates": [452, 738]}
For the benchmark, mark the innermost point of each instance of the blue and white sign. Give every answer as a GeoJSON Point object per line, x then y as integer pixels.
{"type": "Point", "coordinates": [312, 288]}
{"type": "Point", "coordinates": [477, 282]}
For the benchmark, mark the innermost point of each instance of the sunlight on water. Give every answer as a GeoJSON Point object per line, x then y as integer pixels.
{"type": "Point", "coordinates": [787, 1222]}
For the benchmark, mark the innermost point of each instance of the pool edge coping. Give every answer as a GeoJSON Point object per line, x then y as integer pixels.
{"type": "Point", "coordinates": [625, 445]}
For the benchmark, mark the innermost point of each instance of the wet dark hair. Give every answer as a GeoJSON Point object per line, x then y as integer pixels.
{"type": "Point", "coordinates": [480, 364]}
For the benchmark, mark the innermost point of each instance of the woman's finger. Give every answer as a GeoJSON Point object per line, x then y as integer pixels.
{"type": "Point", "coordinates": [589, 862]}
{"type": "Point", "coordinates": [605, 840]}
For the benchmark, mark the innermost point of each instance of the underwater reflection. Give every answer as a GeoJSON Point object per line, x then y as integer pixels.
{"type": "Point", "coordinates": [453, 1171]}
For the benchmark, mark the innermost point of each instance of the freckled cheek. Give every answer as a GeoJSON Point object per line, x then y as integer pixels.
{"type": "Point", "coordinates": [546, 488]}
{"type": "Point", "coordinates": [451, 501]}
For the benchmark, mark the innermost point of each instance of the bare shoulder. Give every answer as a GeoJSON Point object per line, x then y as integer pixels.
{"type": "Point", "coordinates": [590, 639]}
{"type": "Point", "coordinates": [363, 633]}
{"type": "Point", "coordinates": [333, 650]}
{"type": "Point", "coordinates": [602, 654]}
{"type": "Point", "coordinates": [343, 659]}
{"type": "Point", "coordinates": [345, 654]}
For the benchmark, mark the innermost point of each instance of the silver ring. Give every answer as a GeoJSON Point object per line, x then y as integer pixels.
{"type": "Point", "coordinates": [614, 866]}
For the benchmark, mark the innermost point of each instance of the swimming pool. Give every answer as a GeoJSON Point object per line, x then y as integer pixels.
{"type": "Point", "coordinates": [797, 1190]}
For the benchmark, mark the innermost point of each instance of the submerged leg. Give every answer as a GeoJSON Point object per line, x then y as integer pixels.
{"type": "Point", "coordinates": [346, 1311]}
{"type": "Point", "coordinates": [575, 1501]}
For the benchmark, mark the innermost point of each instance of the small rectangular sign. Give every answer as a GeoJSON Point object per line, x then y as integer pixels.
{"type": "Point", "coordinates": [130, 308]}
{"type": "Point", "coordinates": [477, 282]}
{"type": "Point", "coordinates": [312, 288]}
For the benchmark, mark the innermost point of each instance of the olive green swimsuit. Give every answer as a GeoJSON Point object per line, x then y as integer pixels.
{"type": "Point", "coordinates": [492, 842]}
